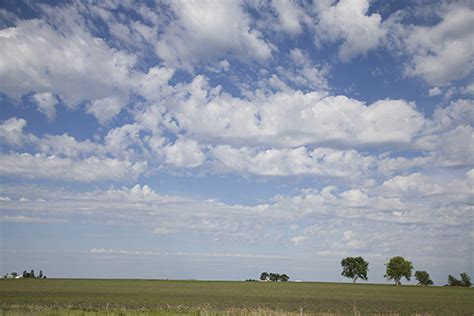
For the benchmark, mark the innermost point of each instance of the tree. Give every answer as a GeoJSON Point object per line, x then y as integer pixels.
{"type": "Point", "coordinates": [40, 275]}
{"type": "Point", "coordinates": [466, 279]}
{"type": "Point", "coordinates": [284, 277]}
{"type": "Point", "coordinates": [274, 277]}
{"type": "Point", "coordinates": [452, 281]}
{"type": "Point", "coordinates": [26, 274]}
{"type": "Point", "coordinates": [397, 268]}
{"type": "Point", "coordinates": [354, 268]}
{"type": "Point", "coordinates": [423, 278]}
{"type": "Point", "coordinates": [264, 276]}
{"type": "Point", "coordinates": [32, 274]}
{"type": "Point", "coordinates": [14, 274]}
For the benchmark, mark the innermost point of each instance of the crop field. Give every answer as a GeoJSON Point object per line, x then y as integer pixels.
{"type": "Point", "coordinates": [152, 297]}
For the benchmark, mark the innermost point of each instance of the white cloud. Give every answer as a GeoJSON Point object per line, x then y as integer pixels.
{"type": "Point", "coordinates": [457, 113]}
{"type": "Point", "coordinates": [154, 84]}
{"type": "Point", "coordinates": [184, 153]}
{"type": "Point", "coordinates": [346, 20]}
{"type": "Point", "coordinates": [292, 118]}
{"type": "Point", "coordinates": [435, 91]}
{"type": "Point", "coordinates": [182, 253]}
{"type": "Point", "coordinates": [296, 240]}
{"type": "Point", "coordinates": [319, 217]}
{"type": "Point", "coordinates": [75, 66]}
{"type": "Point", "coordinates": [303, 72]}
{"type": "Point", "coordinates": [40, 166]}
{"type": "Point", "coordinates": [469, 89]}
{"type": "Point", "coordinates": [298, 161]}
{"type": "Point", "coordinates": [413, 184]}
{"type": "Point", "coordinates": [354, 196]}
{"type": "Point", "coordinates": [46, 103]}
{"type": "Point", "coordinates": [351, 241]}
{"type": "Point", "coordinates": [66, 146]}
{"type": "Point", "coordinates": [223, 26]}
{"type": "Point", "coordinates": [27, 219]}
{"type": "Point", "coordinates": [444, 52]}
{"type": "Point", "coordinates": [162, 231]}
{"type": "Point", "coordinates": [289, 15]}
{"type": "Point", "coordinates": [11, 131]}
{"type": "Point", "coordinates": [105, 109]}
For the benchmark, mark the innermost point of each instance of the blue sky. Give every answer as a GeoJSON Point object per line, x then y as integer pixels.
{"type": "Point", "coordinates": [220, 139]}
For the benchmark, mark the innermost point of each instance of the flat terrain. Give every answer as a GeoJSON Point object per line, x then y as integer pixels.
{"type": "Point", "coordinates": [209, 297]}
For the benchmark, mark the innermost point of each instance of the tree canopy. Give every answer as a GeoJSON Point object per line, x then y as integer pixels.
{"type": "Point", "coordinates": [397, 268]}
{"type": "Point", "coordinates": [465, 280]}
{"type": "Point", "coordinates": [355, 268]}
{"type": "Point", "coordinates": [423, 278]}
{"type": "Point", "coordinates": [274, 277]}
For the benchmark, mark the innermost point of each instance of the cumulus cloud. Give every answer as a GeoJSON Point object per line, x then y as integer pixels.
{"type": "Point", "coordinates": [72, 66]}
{"type": "Point", "coordinates": [11, 131]}
{"type": "Point", "coordinates": [184, 153]}
{"type": "Point", "coordinates": [58, 54]}
{"type": "Point", "coordinates": [223, 26]}
{"type": "Point", "coordinates": [289, 14]}
{"type": "Point", "coordinates": [347, 21]}
{"type": "Point", "coordinates": [444, 52]}
{"type": "Point", "coordinates": [40, 166]}
{"type": "Point", "coordinates": [105, 109]}
{"type": "Point", "coordinates": [435, 91]}
{"type": "Point", "coordinates": [292, 118]}
{"type": "Point", "coordinates": [298, 161]}
{"type": "Point", "coordinates": [46, 103]}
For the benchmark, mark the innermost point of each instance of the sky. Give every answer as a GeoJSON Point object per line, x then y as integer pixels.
{"type": "Point", "coordinates": [220, 139]}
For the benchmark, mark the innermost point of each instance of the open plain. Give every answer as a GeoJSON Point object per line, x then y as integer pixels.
{"type": "Point", "coordinates": [156, 297]}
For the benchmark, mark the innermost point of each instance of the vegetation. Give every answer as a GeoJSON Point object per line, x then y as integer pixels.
{"type": "Point", "coordinates": [274, 277]}
{"type": "Point", "coordinates": [423, 278]}
{"type": "Point", "coordinates": [26, 275]}
{"type": "Point", "coordinates": [397, 268]}
{"type": "Point", "coordinates": [233, 298]}
{"type": "Point", "coordinates": [354, 268]}
{"type": "Point", "coordinates": [465, 280]}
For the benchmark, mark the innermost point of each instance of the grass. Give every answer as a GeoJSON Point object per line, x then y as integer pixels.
{"type": "Point", "coordinates": [130, 297]}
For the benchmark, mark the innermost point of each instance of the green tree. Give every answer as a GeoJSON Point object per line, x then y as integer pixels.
{"type": "Point", "coordinates": [40, 275]}
{"type": "Point", "coordinates": [452, 281]}
{"type": "Point", "coordinates": [354, 268]}
{"type": "Point", "coordinates": [397, 268]}
{"type": "Point", "coordinates": [465, 279]}
{"type": "Point", "coordinates": [264, 276]}
{"type": "Point", "coordinates": [32, 274]}
{"type": "Point", "coordinates": [423, 278]}
{"type": "Point", "coordinates": [284, 277]}
{"type": "Point", "coordinates": [274, 277]}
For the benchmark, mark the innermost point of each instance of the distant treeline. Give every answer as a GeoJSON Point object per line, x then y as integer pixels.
{"type": "Point", "coordinates": [274, 277]}
{"type": "Point", "coordinates": [25, 275]}
{"type": "Point", "coordinates": [396, 268]}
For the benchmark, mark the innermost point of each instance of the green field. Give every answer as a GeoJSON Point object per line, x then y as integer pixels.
{"type": "Point", "coordinates": [59, 296]}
